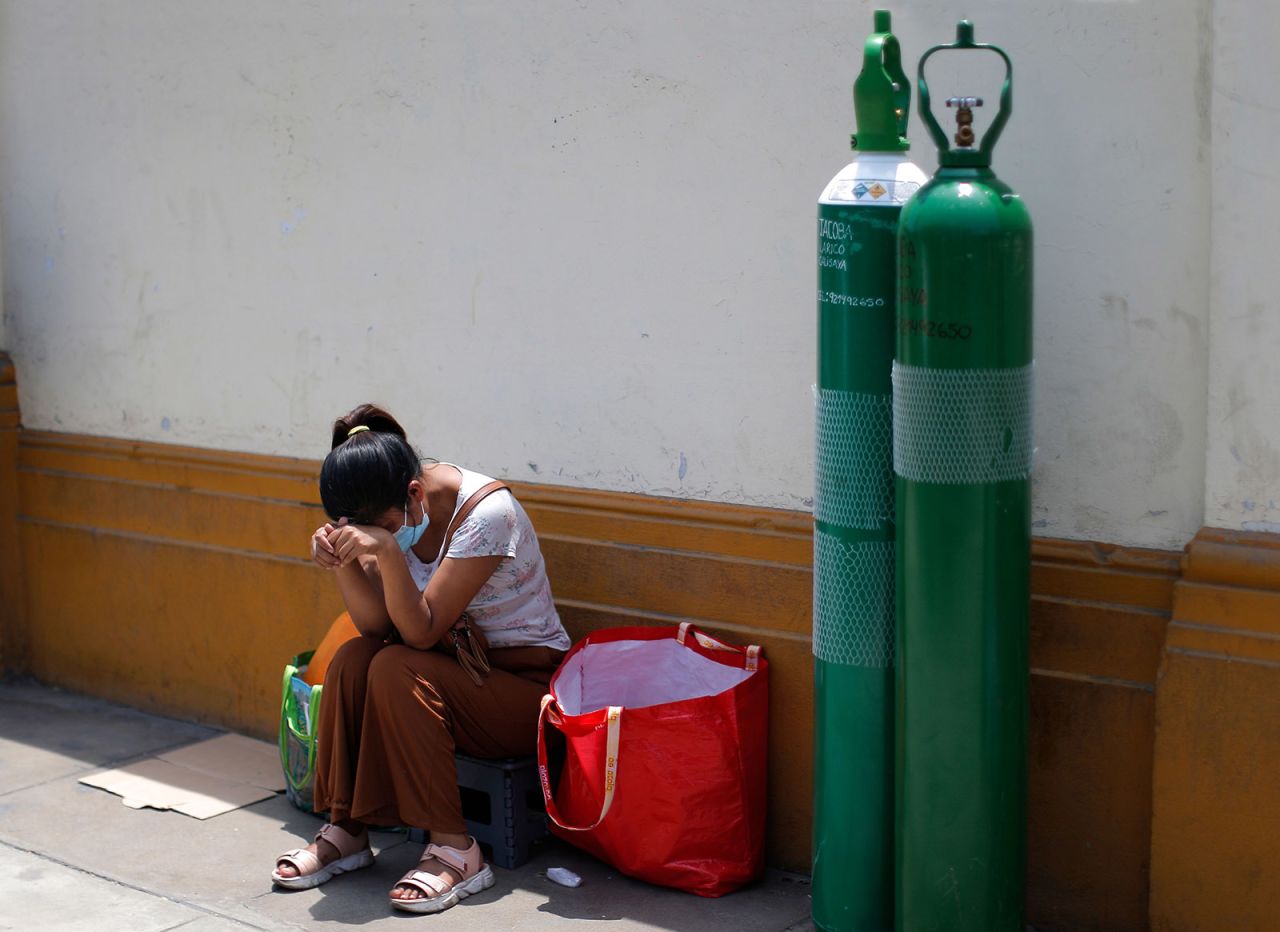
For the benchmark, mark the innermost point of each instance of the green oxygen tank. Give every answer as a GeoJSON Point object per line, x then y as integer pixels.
{"type": "Point", "coordinates": [962, 450]}
{"type": "Point", "coordinates": [853, 642]}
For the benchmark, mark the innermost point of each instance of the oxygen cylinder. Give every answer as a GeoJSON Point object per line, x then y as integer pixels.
{"type": "Point", "coordinates": [853, 642]}
{"type": "Point", "coordinates": [962, 449]}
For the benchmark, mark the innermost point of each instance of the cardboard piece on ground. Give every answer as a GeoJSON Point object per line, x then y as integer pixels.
{"type": "Point", "coordinates": [235, 758]}
{"type": "Point", "coordinates": [203, 782]}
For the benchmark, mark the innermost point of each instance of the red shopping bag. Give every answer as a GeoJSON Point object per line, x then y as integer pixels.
{"type": "Point", "coordinates": [666, 740]}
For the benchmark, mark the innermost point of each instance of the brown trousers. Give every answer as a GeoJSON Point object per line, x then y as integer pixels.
{"type": "Point", "coordinates": [391, 718]}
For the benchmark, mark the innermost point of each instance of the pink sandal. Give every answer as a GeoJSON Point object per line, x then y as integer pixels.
{"type": "Point", "coordinates": [437, 892]}
{"type": "Point", "coordinates": [353, 854]}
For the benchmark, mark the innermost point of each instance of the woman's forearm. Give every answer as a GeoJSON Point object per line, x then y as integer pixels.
{"type": "Point", "coordinates": [405, 603]}
{"type": "Point", "coordinates": [364, 603]}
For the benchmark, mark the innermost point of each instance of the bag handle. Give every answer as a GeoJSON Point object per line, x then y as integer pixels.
{"type": "Point", "coordinates": [288, 711]}
{"type": "Point", "coordinates": [613, 724]}
{"type": "Point", "coordinates": [497, 485]}
{"type": "Point", "coordinates": [285, 726]}
{"type": "Point", "coordinates": [705, 640]}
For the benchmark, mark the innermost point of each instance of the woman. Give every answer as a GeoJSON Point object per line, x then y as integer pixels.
{"type": "Point", "coordinates": [394, 709]}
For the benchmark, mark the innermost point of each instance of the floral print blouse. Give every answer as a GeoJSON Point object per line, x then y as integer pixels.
{"type": "Point", "coordinates": [514, 607]}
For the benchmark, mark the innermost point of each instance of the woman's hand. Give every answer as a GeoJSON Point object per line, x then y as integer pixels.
{"type": "Point", "coordinates": [321, 550]}
{"type": "Point", "coordinates": [349, 541]}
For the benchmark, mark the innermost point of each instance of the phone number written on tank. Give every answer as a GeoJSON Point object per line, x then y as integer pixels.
{"type": "Point", "coordinates": [942, 330]}
{"type": "Point", "coordinates": [848, 300]}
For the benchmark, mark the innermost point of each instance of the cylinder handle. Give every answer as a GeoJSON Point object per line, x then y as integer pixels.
{"type": "Point", "coordinates": [966, 154]}
{"type": "Point", "coordinates": [881, 93]}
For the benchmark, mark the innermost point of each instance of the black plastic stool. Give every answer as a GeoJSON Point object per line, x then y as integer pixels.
{"type": "Point", "coordinates": [502, 805]}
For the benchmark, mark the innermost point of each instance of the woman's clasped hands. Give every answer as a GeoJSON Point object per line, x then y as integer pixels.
{"type": "Point", "coordinates": [335, 545]}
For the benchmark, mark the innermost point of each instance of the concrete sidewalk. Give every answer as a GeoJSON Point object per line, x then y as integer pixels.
{"type": "Point", "coordinates": [74, 857]}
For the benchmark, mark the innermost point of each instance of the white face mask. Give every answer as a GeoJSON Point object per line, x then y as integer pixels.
{"type": "Point", "coordinates": [407, 534]}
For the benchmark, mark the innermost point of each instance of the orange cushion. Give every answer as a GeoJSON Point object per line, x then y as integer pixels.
{"type": "Point", "coordinates": [341, 631]}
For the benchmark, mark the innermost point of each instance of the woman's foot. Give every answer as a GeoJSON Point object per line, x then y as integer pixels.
{"type": "Point", "coordinates": [336, 850]}
{"type": "Point", "coordinates": [444, 876]}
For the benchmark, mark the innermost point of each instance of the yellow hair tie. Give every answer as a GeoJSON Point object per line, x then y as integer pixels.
{"type": "Point", "coordinates": [355, 430]}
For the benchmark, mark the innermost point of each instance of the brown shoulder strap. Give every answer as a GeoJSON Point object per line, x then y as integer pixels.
{"type": "Point", "coordinates": [467, 507]}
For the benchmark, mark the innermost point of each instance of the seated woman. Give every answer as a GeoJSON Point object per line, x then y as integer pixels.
{"type": "Point", "coordinates": [394, 709]}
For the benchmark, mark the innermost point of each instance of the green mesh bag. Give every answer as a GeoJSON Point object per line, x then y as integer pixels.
{"type": "Point", "coordinates": [299, 716]}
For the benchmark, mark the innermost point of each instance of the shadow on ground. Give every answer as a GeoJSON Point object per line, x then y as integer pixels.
{"type": "Point", "coordinates": [154, 870]}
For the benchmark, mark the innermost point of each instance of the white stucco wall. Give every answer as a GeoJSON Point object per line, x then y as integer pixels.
{"type": "Point", "coordinates": [1243, 486]}
{"type": "Point", "coordinates": [573, 243]}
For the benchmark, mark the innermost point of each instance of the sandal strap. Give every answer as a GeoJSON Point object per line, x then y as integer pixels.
{"type": "Point", "coordinates": [301, 860]}
{"type": "Point", "coordinates": [346, 843]}
{"type": "Point", "coordinates": [430, 885]}
{"type": "Point", "coordinates": [456, 859]}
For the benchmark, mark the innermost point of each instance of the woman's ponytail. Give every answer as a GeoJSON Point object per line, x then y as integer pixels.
{"type": "Point", "coordinates": [366, 415]}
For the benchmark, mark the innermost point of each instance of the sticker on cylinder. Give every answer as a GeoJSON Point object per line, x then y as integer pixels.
{"type": "Point", "coordinates": [961, 426]}
{"type": "Point", "coordinates": [880, 191]}
{"type": "Point", "coordinates": [853, 599]}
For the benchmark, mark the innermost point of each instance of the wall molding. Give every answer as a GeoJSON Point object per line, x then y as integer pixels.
{"type": "Point", "coordinates": [1215, 848]}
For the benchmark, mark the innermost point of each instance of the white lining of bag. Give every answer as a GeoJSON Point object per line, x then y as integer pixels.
{"type": "Point", "coordinates": [636, 674]}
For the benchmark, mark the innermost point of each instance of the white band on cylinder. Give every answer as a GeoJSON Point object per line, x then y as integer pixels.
{"type": "Point", "coordinates": [961, 426]}
{"type": "Point", "coordinates": [853, 466]}
{"type": "Point", "coordinates": [853, 601]}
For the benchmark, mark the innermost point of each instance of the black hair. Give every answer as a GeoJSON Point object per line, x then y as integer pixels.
{"type": "Point", "coordinates": [369, 471]}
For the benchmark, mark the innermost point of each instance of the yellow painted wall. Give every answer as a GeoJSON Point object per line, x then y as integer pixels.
{"type": "Point", "coordinates": [176, 580]}
{"type": "Point", "coordinates": [12, 599]}
{"type": "Point", "coordinates": [1098, 624]}
{"type": "Point", "coordinates": [1216, 792]}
